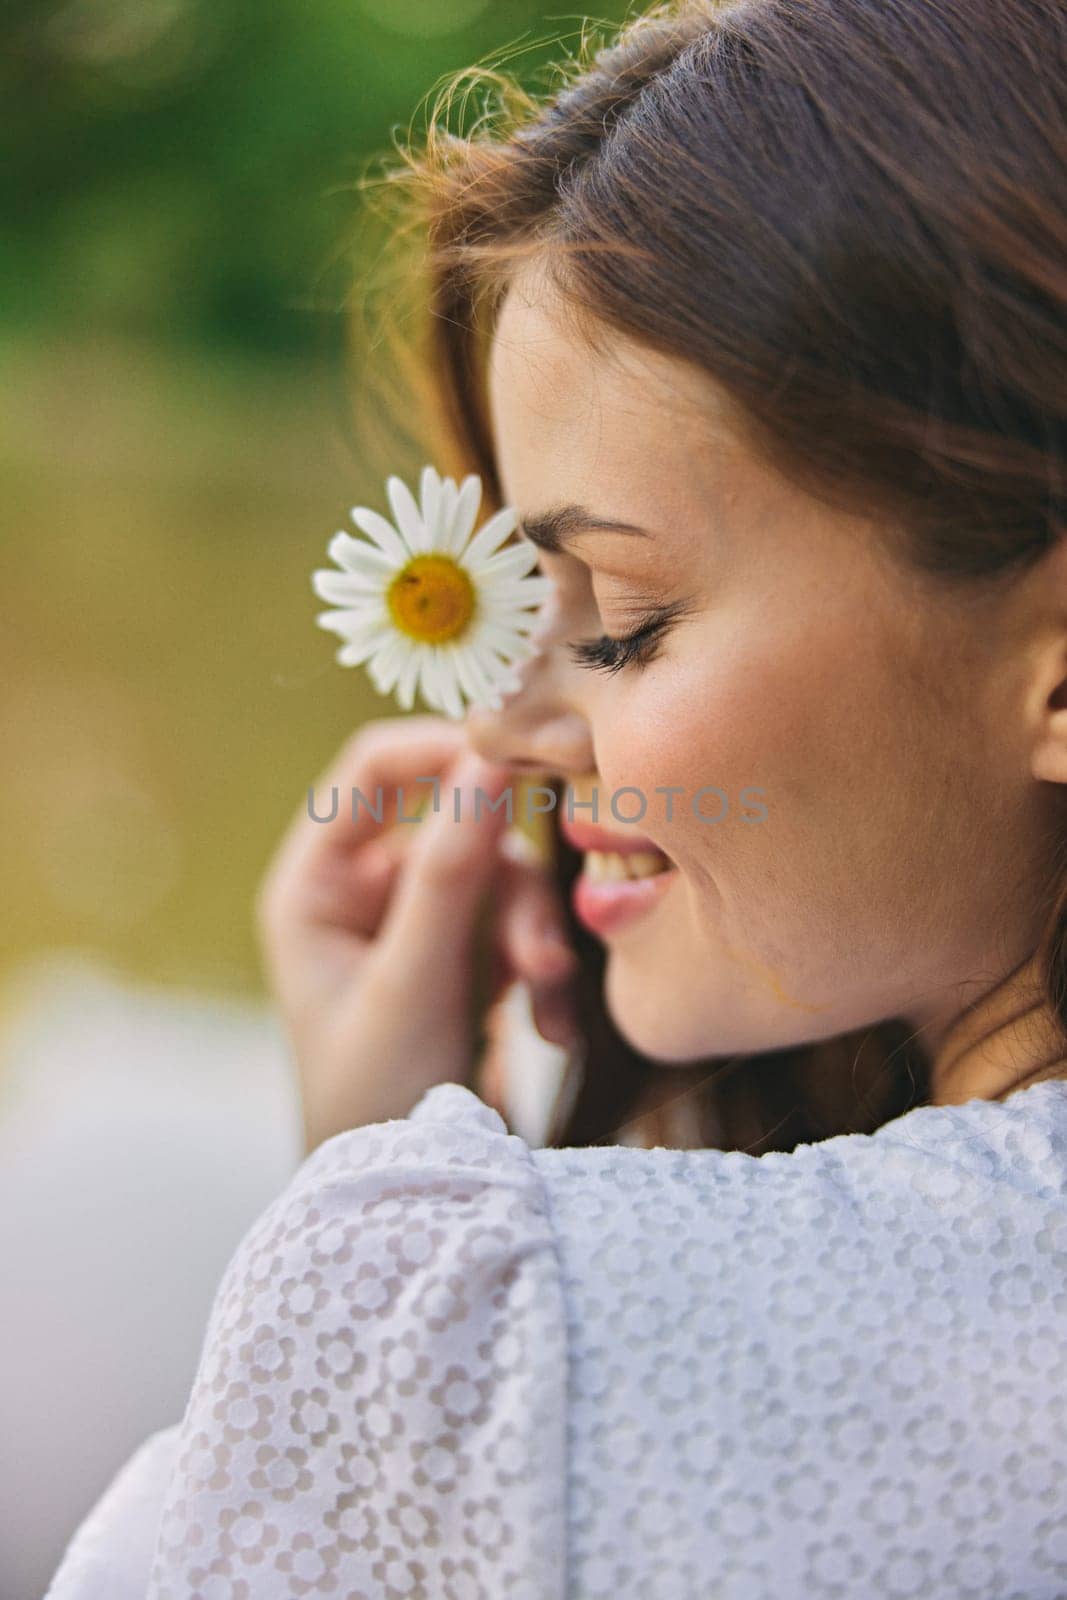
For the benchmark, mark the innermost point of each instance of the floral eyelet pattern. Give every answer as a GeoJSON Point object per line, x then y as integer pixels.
{"type": "Point", "coordinates": [379, 1412]}
{"type": "Point", "coordinates": [444, 1366]}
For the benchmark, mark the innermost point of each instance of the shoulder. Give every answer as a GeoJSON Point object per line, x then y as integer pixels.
{"type": "Point", "coordinates": [933, 1159]}
{"type": "Point", "coordinates": [110, 1554]}
{"type": "Point", "coordinates": [782, 1357]}
{"type": "Point", "coordinates": [381, 1388]}
{"type": "Point", "coordinates": [382, 1193]}
{"type": "Point", "coordinates": [941, 1206]}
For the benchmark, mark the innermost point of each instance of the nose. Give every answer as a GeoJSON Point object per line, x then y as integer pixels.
{"type": "Point", "coordinates": [536, 728]}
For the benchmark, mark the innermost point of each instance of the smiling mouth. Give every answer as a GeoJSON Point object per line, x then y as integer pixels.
{"type": "Point", "coordinates": [605, 866]}
{"type": "Point", "coordinates": [614, 890]}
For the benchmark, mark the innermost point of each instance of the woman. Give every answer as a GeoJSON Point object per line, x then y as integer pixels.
{"type": "Point", "coordinates": [759, 321]}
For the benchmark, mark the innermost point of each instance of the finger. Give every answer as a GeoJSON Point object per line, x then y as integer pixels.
{"type": "Point", "coordinates": [426, 936]}
{"type": "Point", "coordinates": [530, 928]}
{"type": "Point", "coordinates": [555, 1013]}
{"type": "Point", "coordinates": [552, 1011]}
{"type": "Point", "coordinates": [491, 1074]}
{"type": "Point", "coordinates": [312, 953]}
{"type": "Point", "coordinates": [390, 755]}
{"type": "Point", "coordinates": [332, 923]}
{"type": "Point", "coordinates": [359, 892]}
{"type": "Point", "coordinates": [529, 940]}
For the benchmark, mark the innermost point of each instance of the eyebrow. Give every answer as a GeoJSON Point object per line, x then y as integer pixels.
{"type": "Point", "coordinates": [552, 529]}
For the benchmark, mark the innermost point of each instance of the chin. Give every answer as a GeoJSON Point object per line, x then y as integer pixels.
{"type": "Point", "coordinates": [651, 1023]}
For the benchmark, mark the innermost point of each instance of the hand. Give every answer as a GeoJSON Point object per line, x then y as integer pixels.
{"type": "Point", "coordinates": [367, 928]}
{"type": "Point", "coordinates": [530, 941]}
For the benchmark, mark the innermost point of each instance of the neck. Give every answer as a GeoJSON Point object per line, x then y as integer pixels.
{"type": "Point", "coordinates": [1005, 1039]}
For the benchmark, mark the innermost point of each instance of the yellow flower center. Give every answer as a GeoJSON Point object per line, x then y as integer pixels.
{"type": "Point", "coordinates": [431, 599]}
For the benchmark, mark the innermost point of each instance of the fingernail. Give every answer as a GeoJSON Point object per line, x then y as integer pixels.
{"type": "Point", "coordinates": [559, 1023]}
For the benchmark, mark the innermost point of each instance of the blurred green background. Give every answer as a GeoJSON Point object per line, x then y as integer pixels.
{"type": "Point", "coordinates": [181, 233]}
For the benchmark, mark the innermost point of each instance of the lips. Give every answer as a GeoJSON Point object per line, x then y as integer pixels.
{"type": "Point", "coordinates": [588, 836]}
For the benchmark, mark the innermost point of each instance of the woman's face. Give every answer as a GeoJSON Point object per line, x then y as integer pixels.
{"type": "Point", "coordinates": [876, 715]}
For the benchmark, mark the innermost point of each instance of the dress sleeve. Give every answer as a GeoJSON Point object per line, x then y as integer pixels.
{"type": "Point", "coordinates": [380, 1405]}
{"type": "Point", "coordinates": [110, 1555]}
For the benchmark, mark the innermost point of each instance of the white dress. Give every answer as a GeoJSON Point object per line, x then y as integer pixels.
{"type": "Point", "coordinates": [444, 1365]}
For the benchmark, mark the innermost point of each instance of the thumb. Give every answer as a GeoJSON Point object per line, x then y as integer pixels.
{"type": "Point", "coordinates": [428, 927]}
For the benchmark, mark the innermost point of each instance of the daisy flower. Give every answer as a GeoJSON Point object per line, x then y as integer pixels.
{"type": "Point", "coordinates": [428, 607]}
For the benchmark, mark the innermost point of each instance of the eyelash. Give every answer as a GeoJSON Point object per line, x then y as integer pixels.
{"type": "Point", "coordinates": [611, 655]}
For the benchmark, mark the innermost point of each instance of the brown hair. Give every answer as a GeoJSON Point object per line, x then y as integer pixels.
{"type": "Point", "coordinates": [850, 213]}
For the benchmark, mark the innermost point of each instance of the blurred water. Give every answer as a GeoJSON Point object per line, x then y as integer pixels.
{"type": "Point", "coordinates": [142, 1129]}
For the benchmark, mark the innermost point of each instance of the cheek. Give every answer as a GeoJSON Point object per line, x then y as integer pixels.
{"type": "Point", "coordinates": [689, 736]}
{"type": "Point", "coordinates": [821, 721]}
{"type": "Point", "coordinates": [729, 711]}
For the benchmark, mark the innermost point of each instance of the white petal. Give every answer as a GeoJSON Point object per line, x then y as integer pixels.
{"type": "Point", "coordinates": [488, 537]}
{"type": "Point", "coordinates": [445, 686]}
{"type": "Point", "coordinates": [495, 604]}
{"type": "Point", "coordinates": [388, 664]}
{"type": "Point", "coordinates": [341, 588]}
{"type": "Point", "coordinates": [464, 514]}
{"type": "Point", "coordinates": [406, 512]}
{"type": "Point", "coordinates": [430, 501]}
{"type": "Point", "coordinates": [521, 622]}
{"type": "Point", "coordinates": [357, 555]}
{"type": "Point", "coordinates": [501, 680]}
{"type": "Point", "coordinates": [385, 536]}
{"type": "Point", "coordinates": [505, 641]}
{"type": "Point", "coordinates": [428, 673]}
{"type": "Point", "coordinates": [358, 650]}
{"type": "Point", "coordinates": [441, 678]}
{"type": "Point", "coordinates": [428, 656]}
{"type": "Point", "coordinates": [449, 496]}
{"type": "Point", "coordinates": [517, 591]}
{"type": "Point", "coordinates": [409, 676]}
{"type": "Point", "coordinates": [493, 673]}
{"type": "Point", "coordinates": [472, 679]}
{"type": "Point", "coordinates": [512, 562]}
{"type": "Point", "coordinates": [354, 624]}
{"type": "Point", "coordinates": [457, 665]}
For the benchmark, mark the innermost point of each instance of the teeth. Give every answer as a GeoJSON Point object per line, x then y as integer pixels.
{"type": "Point", "coordinates": [604, 868]}
{"type": "Point", "coordinates": [607, 867]}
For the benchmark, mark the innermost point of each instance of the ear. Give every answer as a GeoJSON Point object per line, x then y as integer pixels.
{"type": "Point", "coordinates": [1040, 650]}
{"type": "Point", "coordinates": [1047, 702]}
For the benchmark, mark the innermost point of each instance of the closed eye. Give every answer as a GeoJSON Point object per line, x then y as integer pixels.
{"type": "Point", "coordinates": [607, 654]}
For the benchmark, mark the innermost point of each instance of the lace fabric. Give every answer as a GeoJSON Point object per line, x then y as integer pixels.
{"type": "Point", "coordinates": [444, 1366]}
